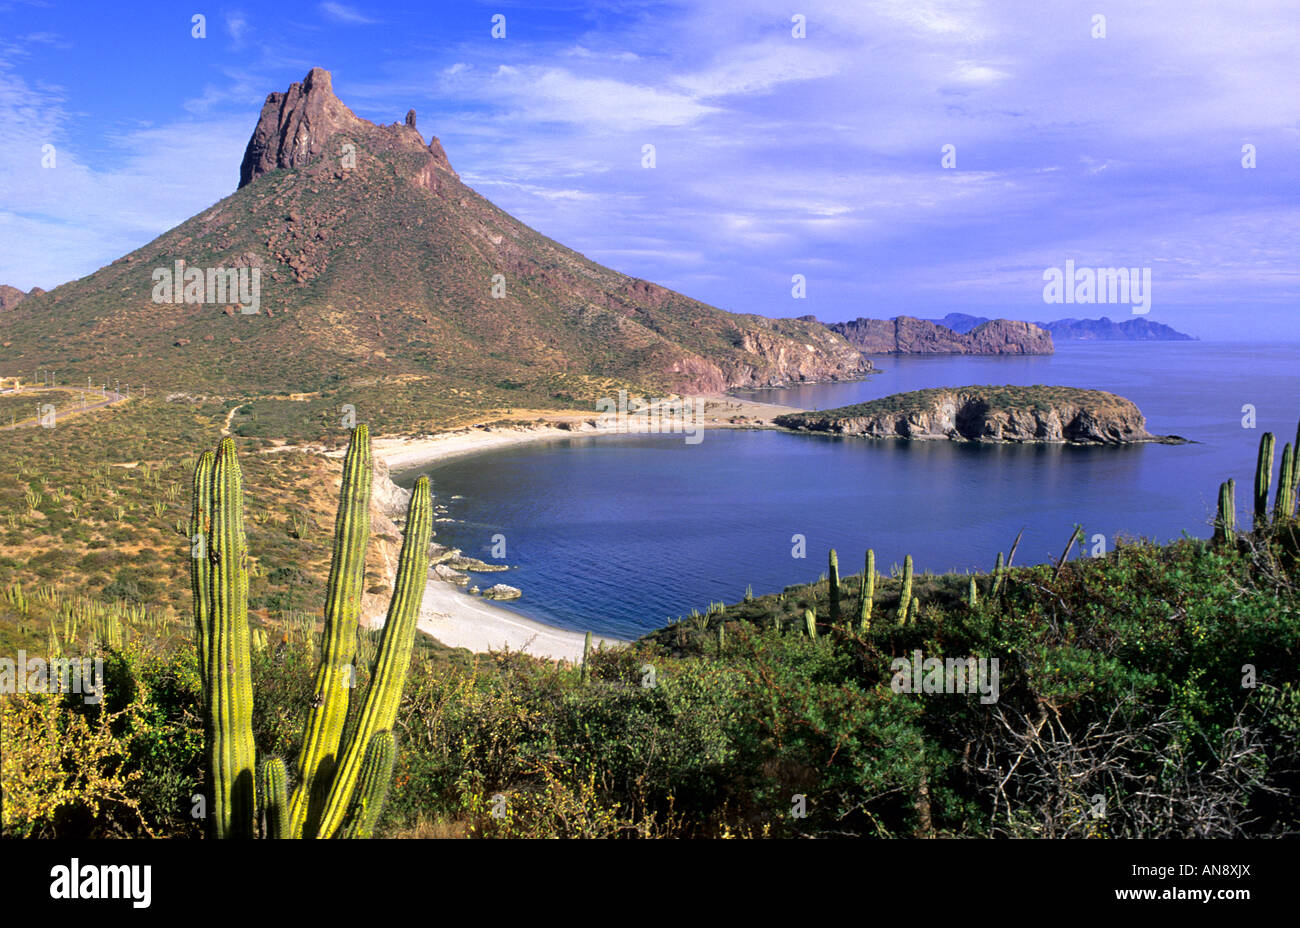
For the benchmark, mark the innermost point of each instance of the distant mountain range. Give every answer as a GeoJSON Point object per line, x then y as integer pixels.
{"type": "Point", "coordinates": [1103, 329]}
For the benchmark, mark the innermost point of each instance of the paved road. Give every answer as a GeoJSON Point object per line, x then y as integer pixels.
{"type": "Point", "coordinates": [110, 398]}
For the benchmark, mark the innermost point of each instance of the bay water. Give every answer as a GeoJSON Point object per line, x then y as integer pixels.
{"type": "Point", "coordinates": [621, 534]}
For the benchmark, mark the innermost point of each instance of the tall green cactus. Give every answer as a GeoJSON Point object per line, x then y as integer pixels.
{"type": "Point", "coordinates": [1225, 522]}
{"type": "Point", "coordinates": [834, 586]}
{"type": "Point", "coordinates": [913, 610]}
{"type": "Point", "coordinates": [1285, 502]}
{"type": "Point", "coordinates": [906, 595]}
{"type": "Point", "coordinates": [379, 711]}
{"type": "Point", "coordinates": [327, 794]}
{"type": "Point", "coordinates": [810, 623]}
{"type": "Point", "coordinates": [972, 597]}
{"type": "Point", "coordinates": [231, 754]}
{"type": "Point", "coordinates": [273, 790]}
{"type": "Point", "coordinates": [867, 592]}
{"type": "Point", "coordinates": [1263, 477]}
{"type": "Point", "coordinates": [325, 720]}
{"type": "Point", "coordinates": [999, 573]}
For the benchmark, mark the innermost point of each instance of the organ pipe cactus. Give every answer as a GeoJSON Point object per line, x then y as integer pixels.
{"type": "Point", "coordinates": [274, 793]}
{"type": "Point", "coordinates": [1225, 523]}
{"type": "Point", "coordinates": [228, 697]}
{"type": "Point", "coordinates": [1263, 477]}
{"type": "Point", "coordinates": [328, 799]}
{"type": "Point", "coordinates": [999, 572]}
{"type": "Point", "coordinates": [906, 594]}
{"type": "Point", "coordinates": [379, 711]}
{"type": "Point", "coordinates": [867, 592]}
{"type": "Point", "coordinates": [972, 598]}
{"type": "Point", "coordinates": [1285, 502]}
{"type": "Point", "coordinates": [320, 748]}
{"type": "Point", "coordinates": [834, 587]}
{"type": "Point", "coordinates": [913, 610]}
{"type": "Point", "coordinates": [810, 622]}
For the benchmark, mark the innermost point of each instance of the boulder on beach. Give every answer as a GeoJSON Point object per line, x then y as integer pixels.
{"type": "Point", "coordinates": [443, 572]}
{"type": "Point", "coordinates": [502, 591]}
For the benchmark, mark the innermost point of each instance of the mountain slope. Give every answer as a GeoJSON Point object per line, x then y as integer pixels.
{"type": "Point", "coordinates": [378, 266]}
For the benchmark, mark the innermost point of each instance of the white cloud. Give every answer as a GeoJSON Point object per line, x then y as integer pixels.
{"type": "Point", "coordinates": [237, 26]}
{"type": "Point", "coordinates": [760, 68]}
{"type": "Point", "coordinates": [558, 95]}
{"type": "Point", "coordinates": [345, 15]}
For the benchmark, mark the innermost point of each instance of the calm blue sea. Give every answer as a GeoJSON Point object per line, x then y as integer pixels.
{"type": "Point", "coordinates": [621, 534]}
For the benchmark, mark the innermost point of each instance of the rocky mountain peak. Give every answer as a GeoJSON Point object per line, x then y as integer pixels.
{"type": "Point", "coordinates": [295, 128]}
{"type": "Point", "coordinates": [10, 297]}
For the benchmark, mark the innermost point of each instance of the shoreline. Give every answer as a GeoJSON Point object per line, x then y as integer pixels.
{"type": "Point", "coordinates": [405, 454]}
{"type": "Point", "coordinates": [460, 619]}
{"type": "Point", "coordinates": [463, 620]}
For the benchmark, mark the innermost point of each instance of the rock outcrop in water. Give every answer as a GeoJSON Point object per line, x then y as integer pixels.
{"type": "Point", "coordinates": [906, 335]}
{"type": "Point", "coordinates": [987, 414]}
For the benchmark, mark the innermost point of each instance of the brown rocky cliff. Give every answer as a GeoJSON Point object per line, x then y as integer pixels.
{"type": "Point", "coordinates": [10, 297]}
{"type": "Point", "coordinates": [1009, 336]}
{"type": "Point", "coordinates": [296, 127]}
{"type": "Point", "coordinates": [907, 335]}
{"type": "Point", "coordinates": [387, 507]}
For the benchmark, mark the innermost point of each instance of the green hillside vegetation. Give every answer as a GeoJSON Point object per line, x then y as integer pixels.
{"type": "Point", "coordinates": [1153, 691]}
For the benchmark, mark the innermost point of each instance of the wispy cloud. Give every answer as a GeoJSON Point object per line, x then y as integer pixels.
{"type": "Point", "coordinates": [345, 15]}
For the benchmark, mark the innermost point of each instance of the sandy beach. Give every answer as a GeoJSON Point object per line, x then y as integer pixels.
{"type": "Point", "coordinates": [462, 620]}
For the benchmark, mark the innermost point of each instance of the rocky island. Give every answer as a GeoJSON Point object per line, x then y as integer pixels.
{"type": "Point", "coordinates": [988, 414]}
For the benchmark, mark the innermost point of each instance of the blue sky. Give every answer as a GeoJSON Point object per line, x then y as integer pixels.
{"type": "Point", "coordinates": [775, 155]}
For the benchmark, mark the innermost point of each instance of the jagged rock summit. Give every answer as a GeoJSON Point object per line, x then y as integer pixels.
{"type": "Point", "coordinates": [302, 124]}
{"type": "Point", "coordinates": [10, 297]}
